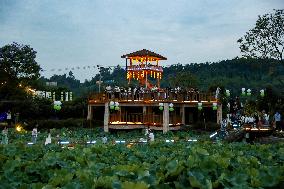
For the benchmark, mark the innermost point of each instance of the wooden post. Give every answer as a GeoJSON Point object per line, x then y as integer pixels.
{"type": "Point", "coordinates": [126, 67]}
{"type": "Point", "coordinates": [219, 113]}
{"type": "Point", "coordinates": [182, 113]}
{"type": "Point", "coordinates": [106, 117]}
{"type": "Point", "coordinates": [166, 118]}
{"type": "Point", "coordinates": [146, 79]}
{"type": "Point", "coordinates": [144, 113]}
{"type": "Point", "coordinates": [90, 112]}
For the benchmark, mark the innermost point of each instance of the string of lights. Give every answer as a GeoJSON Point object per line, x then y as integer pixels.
{"type": "Point", "coordinates": [79, 68]}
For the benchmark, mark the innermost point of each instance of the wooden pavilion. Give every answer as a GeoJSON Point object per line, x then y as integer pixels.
{"type": "Point", "coordinates": [154, 108]}
{"type": "Point", "coordinates": [143, 64]}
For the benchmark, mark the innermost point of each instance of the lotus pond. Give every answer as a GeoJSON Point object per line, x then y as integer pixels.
{"type": "Point", "coordinates": [160, 164]}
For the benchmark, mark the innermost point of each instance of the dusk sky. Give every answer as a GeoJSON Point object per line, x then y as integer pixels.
{"type": "Point", "coordinates": [76, 33]}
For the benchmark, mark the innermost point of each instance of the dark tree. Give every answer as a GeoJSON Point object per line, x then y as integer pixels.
{"type": "Point", "coordinates": [266, 39]}
{"type": "Point", "coordinates": [17, 67]}
{"type": "Point", "coordinates": [183, 79]}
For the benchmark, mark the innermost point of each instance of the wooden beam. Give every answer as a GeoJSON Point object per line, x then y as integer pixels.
{"type": "Point", "coordinates": [106, 118]}
{"type": "Point", "coordinates": [90, 113]}
{"type": "Point", "coordinates": [182, 113]}
{"type": "Point", "coordinates": [219, 113]}
{"type": "Point", "coordinates": [166, 118]}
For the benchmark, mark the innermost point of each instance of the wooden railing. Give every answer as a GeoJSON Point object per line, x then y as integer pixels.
{"type": "Point", "coordinates": [155, 96]}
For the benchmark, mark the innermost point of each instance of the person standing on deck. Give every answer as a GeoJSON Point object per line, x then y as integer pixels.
{"type": "Point", "coordinates": [109, 91]}
{"type": "Point", "coordinates": [135, 93]}
{"type": "Point", "coordinates": [116, 92]}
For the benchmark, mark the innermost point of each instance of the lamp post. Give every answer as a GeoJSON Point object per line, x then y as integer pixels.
{"type": "Point", "coordinates": [100, 80]}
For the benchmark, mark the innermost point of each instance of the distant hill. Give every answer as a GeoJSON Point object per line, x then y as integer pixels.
{"type": "Point", "coordinates": [232, 74]}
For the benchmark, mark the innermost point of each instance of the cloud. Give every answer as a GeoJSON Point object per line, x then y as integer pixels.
{"type": "Point", "coordinates": [77, 33]}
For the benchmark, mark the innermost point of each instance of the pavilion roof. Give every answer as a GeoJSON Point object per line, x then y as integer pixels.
{"type": "Point", "coordinates": [144, 53]}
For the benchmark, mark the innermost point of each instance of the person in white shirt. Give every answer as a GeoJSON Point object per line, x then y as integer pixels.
{"type": "Point", "coordinates": [108, 88]}
{"type": "Point", "coordinates": [104, 140]}
{"type": "Point", "coordinates": [151, 137]}
{"type": "Point", "coordinates": [34, 135]}
{"type": "Point", "coordinates": [277, 119]}
{"type": "Point", "coordinates": [48, 139]}
{"type": "Point", "coordinates": [251, 120]}
{"type": "Point", "coordinates": [146, 132]}
{"type": "Point", "coordinates": [9, 117]}
{"type": "Point", "coordinates": [109, 91]}
{"type": "Point", "coordinates": [116, 92]}
{"type": "Point", "coordinates": [265, 118]}
{"type": "Point", "coordinates": [4, 136]}
{"type": "Point", "coordinates": [243, 118]}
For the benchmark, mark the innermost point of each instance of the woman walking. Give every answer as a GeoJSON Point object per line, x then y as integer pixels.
{"type": "Point", "coordinates": [4, 136]}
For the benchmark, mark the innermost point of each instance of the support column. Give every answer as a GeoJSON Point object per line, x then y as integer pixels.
{"type": "Point", "coordinates": [106, 117]}
{"type": "Point", "coordinates": [126, 68]}
{"type": "Point", "coordinates": [90, 112]}
{"type": "Point", "coordinates": [166, 118]}
{"type": "Point", "coordinates": [219, 113]}
{"type": "Point", "coordinates": [144, 110]}
{"type": "Point", "coordinates": [182, 113]}
{"type": "Point", "coordinates": [144, 113]}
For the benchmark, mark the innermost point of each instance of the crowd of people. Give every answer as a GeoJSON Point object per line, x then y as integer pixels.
{"type": "Point", "coordinates": [137, 93]}
{"type": "Point", "coordinates": [257, 119]}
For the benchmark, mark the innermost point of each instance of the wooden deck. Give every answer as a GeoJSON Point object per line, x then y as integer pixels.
{"type": "Point", "coordinates": [141, 110]}
{"type": "Point", "coordinates": [261, 129]}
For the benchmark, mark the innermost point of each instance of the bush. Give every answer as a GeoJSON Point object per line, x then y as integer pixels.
{"type": "Point", "coordinates": [210, 126]}
{"type": "Point", "coordinates": [58, 124]}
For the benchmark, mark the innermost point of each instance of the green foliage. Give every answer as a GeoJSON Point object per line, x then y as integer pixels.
{"type": "Point", "coordinates": [250, 108]}
{"type": "Point", "coordinates": [29, 108]}
{"type": "Point", "coordinates": [64, 82]}
{"type": "Point", "coordinates": [41, 108]}
{"type": "Point", "coordinates": [183, 79]}
{"type": "Point", "coordinates": [157, 165]}
{"type": "Point", "coordinates": [271, 102]}
{"type": "Point", "coordinates": [17, 66]}
{"type": "Point", "coordinates": [266, 39]}
{"type": "Point", "coordinates": [18, 62]}
{"type": "Point", "coordinates": [65, 123]}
